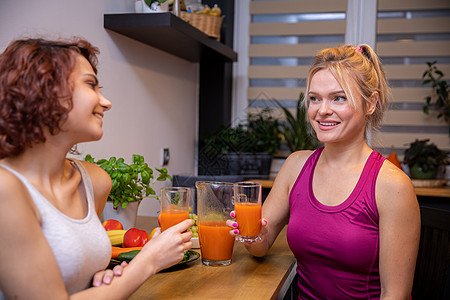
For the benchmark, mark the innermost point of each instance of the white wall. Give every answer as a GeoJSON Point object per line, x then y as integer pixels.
{"type": "Point", "coordinates": [154, 94]}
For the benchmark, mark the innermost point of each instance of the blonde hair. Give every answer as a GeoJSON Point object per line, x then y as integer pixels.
{"type": "Point", "coordinates": [362, 66]}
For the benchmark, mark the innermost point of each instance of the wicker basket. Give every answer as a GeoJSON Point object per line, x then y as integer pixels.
{"type": "Point", "coordinates": [208, 24]}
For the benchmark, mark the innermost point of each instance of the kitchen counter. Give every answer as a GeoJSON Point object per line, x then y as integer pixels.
{"type": "Point", "coordinates": [247, 277]}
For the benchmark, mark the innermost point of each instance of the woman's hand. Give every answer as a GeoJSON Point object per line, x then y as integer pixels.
{"type": "Point", "coordinates": [167, 248]}
{"type": "Point", "coordinates": [235, 227]}
{"type": "Point", "coordinates": [106, 276]}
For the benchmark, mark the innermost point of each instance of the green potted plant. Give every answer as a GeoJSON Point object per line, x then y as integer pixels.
{"type": "Point", "coordinates": [439, 99]}
{"type": "Point", "coordinates": [295, 130]}
{"type": "Point", "coordinates": [424, 159]}
{"type": "Point", "coordinates": [130, 182]}
{"type": "Point", "coordinates": [245, 149]}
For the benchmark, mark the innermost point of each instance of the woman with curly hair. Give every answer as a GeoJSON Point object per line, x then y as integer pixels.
{"type": "Point", "coordinates": [354, 220]}
{"type": "Point", "coordinates": [55, 245]}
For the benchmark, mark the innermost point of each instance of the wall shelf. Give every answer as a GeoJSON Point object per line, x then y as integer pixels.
{"type": "Point", "coordinates": [171, 34]}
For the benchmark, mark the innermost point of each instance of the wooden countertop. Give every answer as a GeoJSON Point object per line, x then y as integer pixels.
{"type": "Point", "coordinates": [246, 278]}
{"type": "Point", "coordinates": [443, 191]}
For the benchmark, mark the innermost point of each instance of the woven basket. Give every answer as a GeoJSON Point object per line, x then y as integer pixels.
{"type": "Point", "coordinates": [208, 24]}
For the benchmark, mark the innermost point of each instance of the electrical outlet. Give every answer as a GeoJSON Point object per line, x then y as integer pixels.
{"type": "Point", "coordinates": [165, 156]}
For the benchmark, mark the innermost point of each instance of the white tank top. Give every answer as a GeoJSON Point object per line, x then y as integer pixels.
{"type": "Point", "coordinates": [81, 247]}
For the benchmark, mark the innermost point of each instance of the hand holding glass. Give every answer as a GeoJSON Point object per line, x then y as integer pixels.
{"type": "Point", "coordinates": [247, 205]}
{"type": "Point", "coordinates": [174, 206]}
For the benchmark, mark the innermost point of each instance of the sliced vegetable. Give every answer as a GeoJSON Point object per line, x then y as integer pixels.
{"type": "Point", "coordinates": [128, 256]}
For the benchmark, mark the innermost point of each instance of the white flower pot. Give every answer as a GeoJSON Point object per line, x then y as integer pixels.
{"type": "Point", "coordinates": [126, 216]}
{"type": "Point", "coordinates": [155, 7]}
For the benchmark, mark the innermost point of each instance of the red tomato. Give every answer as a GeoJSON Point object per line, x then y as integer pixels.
{"type": "Point", "coordinates": [112, 224]}
{"type": "Point", "coordinates": [135, 238]}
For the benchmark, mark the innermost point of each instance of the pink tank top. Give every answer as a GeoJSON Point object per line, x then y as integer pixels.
{"type": "Point", "coordinates": [336, 247]}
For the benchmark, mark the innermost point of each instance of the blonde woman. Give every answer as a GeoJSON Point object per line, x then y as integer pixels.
{"type": "Point", "coordinates": [354, 221]}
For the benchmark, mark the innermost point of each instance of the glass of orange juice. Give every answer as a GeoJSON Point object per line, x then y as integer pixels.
{"type": "Point", "coordinates": [214, 205]}
{"type": "Point", "coordinates": [247, 206]}
{"type": "Point", "coordinates": [174, 206]}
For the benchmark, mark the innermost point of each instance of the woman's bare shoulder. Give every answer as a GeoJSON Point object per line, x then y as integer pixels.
{"type": "Point", "coordinates": [392, 177]}
{"type": "Point", "coordinates": [14, 196]}
{"type": "Point", "coordinates": [291, 168]}
{"type": "Point", "coordinates": [101, 181]}
{"type": "Point", "coordinates": [10, 184]}
{"type": "Point", "coordinates": [296, 160]}
{"type": "Point", "coordinates": [394, 184]}
{"type": "Point", "coordinates": [299, 156]}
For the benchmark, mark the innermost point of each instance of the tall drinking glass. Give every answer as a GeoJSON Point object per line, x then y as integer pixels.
{"type": "Point", "coordinates": [214, 205]}
{"type": "Point", "coordinates": [247, 205]}
{"type": "Point", "coordinates": [174, 206]}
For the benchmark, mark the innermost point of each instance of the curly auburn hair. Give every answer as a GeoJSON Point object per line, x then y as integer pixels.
{"type": "Point", "coordinates": [35, 91]}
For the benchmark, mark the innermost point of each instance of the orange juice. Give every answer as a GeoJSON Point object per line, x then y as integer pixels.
{"type": "Point", "coordinates": [216, 243]}
{"type": "Point", "coordinates": [172, 217]}
{"type": "Point", "coordinates": [248, 216]}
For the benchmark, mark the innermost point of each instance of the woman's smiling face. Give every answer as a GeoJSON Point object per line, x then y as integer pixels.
{"type": "Point", "coordinates": [89, 105]}
{"type": "Point", "coordinates": [332, 116]}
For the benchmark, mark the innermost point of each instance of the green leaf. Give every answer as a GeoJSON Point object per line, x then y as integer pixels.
{"type": "Point", "coordinates": [145, 177]}
{"type": "Point", "coordinates": [126, 178]}
{"type": "Point", "coordinates": [116, 203]}
{"type": "Point", "coordinates": [115, 184]}
{"type": "Point", "coordinates": [122, 167]}
{"type": "Point", "coordinates": [89, 158]}
{"type": "Point", "coordinates": [149, 191]}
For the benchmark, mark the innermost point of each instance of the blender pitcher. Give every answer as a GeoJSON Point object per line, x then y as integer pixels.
{"type": "Point", "coordinates": [214, 204]}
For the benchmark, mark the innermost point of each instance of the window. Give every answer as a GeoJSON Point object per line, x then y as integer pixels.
{"type": "Point", "coordinates": [409, 34]}
{"type": "Point", "coordinates": [285, 35]}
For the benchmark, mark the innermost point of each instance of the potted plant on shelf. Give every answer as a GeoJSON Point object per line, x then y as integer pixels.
{"type": "Point", "coordinates": [424, 159]}
{"type": "Point", "coordinates": [439, 99]}
{"type": "Point", "coordinates": [246, 149]}
{"type": "Point", "coordinates": [130, 184]}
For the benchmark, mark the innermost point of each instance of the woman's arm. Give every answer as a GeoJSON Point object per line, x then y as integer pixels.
{"type": "Point", "coordinates": [275, 209]}
{"type": "Point", "coordinates": [163, 250]}
{"type": "Point", "coordinates": [399, 232]}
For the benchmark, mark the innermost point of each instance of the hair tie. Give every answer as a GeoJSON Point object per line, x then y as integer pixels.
{"type": "Point", "coordinates": [359, 49]}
